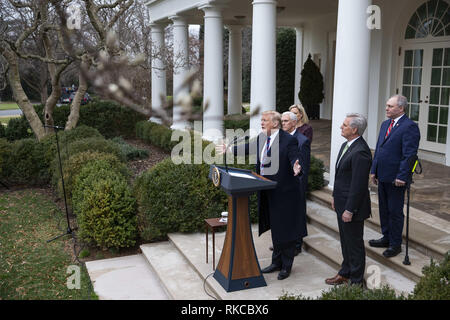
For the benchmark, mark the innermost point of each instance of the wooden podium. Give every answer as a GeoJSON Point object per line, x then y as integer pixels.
{"type": "Point", "coordinates": [238, 266]}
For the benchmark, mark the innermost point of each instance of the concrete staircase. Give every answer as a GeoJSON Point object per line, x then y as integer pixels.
{"type": "Point", "coordinates": [180, 262]}
{"type": "Point", "coordinates": [180, 267]}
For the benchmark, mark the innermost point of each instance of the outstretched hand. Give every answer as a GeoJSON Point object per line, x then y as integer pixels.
{"type": "Point", "coordinates": [297, 168]}
{"type": "Point", "coordinates": [221, 149]}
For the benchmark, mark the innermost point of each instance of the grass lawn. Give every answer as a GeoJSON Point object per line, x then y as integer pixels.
{"type": "Point", "coordinates": [31, 268]}
{"type": "Point", "coordinates": [8, 106]}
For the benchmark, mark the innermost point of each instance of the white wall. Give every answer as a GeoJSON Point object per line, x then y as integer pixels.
{"type": "Point", "coordinates": [316, 34]}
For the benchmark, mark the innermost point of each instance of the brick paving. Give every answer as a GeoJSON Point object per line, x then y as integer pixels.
{"type": "Point", "coordinates": [430, 191]}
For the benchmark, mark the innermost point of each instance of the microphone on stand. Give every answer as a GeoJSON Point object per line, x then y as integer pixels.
{"type": "Point", "coordinates": [53, 127]}
{"type": "Point", "coordinates": [235, 140]}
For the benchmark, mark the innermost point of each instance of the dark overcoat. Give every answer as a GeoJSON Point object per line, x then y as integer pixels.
{"type": "Point", "coordinates": [304, 149]}
{"type": "Point", "coordinates": [278, 209]}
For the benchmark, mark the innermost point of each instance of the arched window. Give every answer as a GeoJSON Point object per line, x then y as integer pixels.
{"type": "Point", "coordinates": [431, 19]}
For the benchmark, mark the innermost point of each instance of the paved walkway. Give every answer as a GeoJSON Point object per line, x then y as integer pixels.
{"type": "Point", "coordinates": [430, 191]}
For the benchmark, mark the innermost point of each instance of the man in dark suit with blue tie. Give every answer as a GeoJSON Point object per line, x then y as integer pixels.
{"type": "Point", "coordinates": [397, 143]}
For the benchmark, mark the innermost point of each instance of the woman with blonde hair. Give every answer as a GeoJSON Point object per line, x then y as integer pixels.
{"type": "Point", "coordinates": [302, 121]}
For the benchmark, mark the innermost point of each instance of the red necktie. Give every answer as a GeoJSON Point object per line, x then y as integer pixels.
{"type": "Point", "coordinates": [389, 129]}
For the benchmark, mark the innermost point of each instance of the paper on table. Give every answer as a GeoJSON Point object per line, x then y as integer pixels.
{"type": "Point", "coordinates": [241, 175]}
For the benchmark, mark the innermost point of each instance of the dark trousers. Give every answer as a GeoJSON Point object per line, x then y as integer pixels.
{"type": "Point", "coordinates": [283, 255]}
{"type": "Point", "coordinates": [299, 243]}
{"type": "Point", "coordinates": [391, 200]}
{"type": "Point", "coordinates": [353, 251]}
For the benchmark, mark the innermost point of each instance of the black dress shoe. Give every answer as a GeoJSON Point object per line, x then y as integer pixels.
{"type": "Point", "coordinates": [283, 274]}
{"type": "Point", "coordinates": [297, 251]}
{"type": "Point", "coordinates": [271, 248]}
{"type": "Point", "coordinates": [392, 252]}
{"type": "Point", "coordinates": [380, 243]}
{"type": "Point", "coordinates": [271, 268]}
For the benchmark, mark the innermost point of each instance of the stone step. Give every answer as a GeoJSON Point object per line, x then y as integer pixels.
{"type": "Point", "coordinates": [307, 275]}
{"type": "Point", "coordinates": [376, 275]}
{"type": "Point", "coordinates": [428, 234]}
{"type": "Point", "coordinates": [177, 276]}
{"type": "Point", "coordinates": [125, 278]}
{"type": "Point", "coordinates": [325, 219]}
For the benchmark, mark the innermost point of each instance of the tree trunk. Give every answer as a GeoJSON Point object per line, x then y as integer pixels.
{"type": "Point", "coordinates": [19, 94]}
{"type": "Point", "coordinates": [44, 83]}
{"type": "Point", "coordinates": [74, 115]}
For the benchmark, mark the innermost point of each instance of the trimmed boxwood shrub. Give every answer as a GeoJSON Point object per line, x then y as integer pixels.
{"type": "Point", "coordinates": [25, 163]}
{"type": "Point", "coordinates": [72, 167]}
{"type": "Point", "coordinates": [18, 128]}
{"type": "Point", "coordinates": [315, 175]}
{"type": "Point", "coordinates": [109, 118]}
{"type": "Point", "coordinates": [92, 144]}
{"type": "Point", "coordinates": [89, 144]}
{"type": "Point", "coordinates": [435, 284]}
{"type": "Point", "coordinates": [129, 151]}
{"type": "Point", "coordinates": [2, 130]}
{"type": "Point", "coordinates": [65, 138]}
{"type": "Point", "coordinates": [5, 154]}
{"type": "Point", "coordinates": [105, 206]}
{"type": "Point", "coordinates": [239, 122]}
{"type": "Point", "coordinates": [351, 292]}
{"type": "Point", "coordinates": [176, 198]}
{"type": "Point", "coordinates": [155, 134]}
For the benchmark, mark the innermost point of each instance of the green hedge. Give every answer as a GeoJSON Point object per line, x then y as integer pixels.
{"type": "Point", "coordinates": [351, 292]}
{"type": "Point", "coordinates": [177, 198]}
{"type": "Point", "coordinates": [65, 138]}
{"type": "Point", "coordinates": [237, 122]}
{"type": "Point", "coordinates": [23, 162]}
{"type": "Point", "coordinates": [73, 165]}
{"type": "Point", "coordinates": [155, 134]}
{"type": "Point", "coordinates": [105, 206]}
{"type": "Point", "coordinates": [18, 128]}
{"type": "Point", "coordinates": [109, 118]}
{"type": "Point", "coordinates": [128, 151]}
{"type": "Point", "coordinates": [5, 154]}
{"type": "Point", "coordinates": [433, 285]}
{"type": "Point", "coordinates": [285, 63]}
{"type": "Point", "coordinates": [2, 130]}
{"type": "Point", "coordinates": [315, 175]}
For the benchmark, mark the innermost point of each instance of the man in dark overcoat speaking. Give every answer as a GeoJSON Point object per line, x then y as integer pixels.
{"type": "Point", "coordinates": [277, 160]}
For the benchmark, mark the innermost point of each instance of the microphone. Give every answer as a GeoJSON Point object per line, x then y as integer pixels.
{"type": "Point", "coordinates": [54, 127]}
{"type": "Point", "coordinates": [236, 139]}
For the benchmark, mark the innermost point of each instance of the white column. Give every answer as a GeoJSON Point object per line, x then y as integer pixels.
{"type": "Point", "coordinates": [180, 69]}
{"type": "Point", "coordinates": [298, 62]}
{"type": "Point", "coordinates": [263, 78]}
{"type": "Point", "coordinates": [159, 90]}
{"type": "Point", "coordinates": [235, 70]}
{"type": "Point", "coordinates": [213, 74]}
{"type": "Point", "coordinates": [351, 88]}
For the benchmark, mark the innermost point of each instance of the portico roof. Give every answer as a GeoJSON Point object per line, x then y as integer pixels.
{"type": "Point", "coordinates": [289, 12]}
